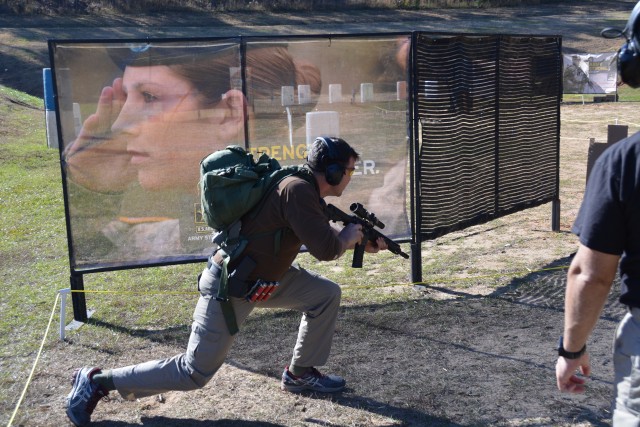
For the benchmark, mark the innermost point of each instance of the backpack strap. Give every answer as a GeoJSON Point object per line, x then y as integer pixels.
{"type": "Point", "coordinates": [225, 304]}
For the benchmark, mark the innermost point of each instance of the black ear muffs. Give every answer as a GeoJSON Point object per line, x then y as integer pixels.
{"type": "Point", "coordinates": [629, 55]}
{"type": "Point", "coordinates": [629, 64]}
{"type": "Point", "coordinates": [333, 170]}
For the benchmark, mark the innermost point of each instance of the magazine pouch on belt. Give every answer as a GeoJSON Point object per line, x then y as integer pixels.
{"type": "Point", "coordinates": [237, 281]}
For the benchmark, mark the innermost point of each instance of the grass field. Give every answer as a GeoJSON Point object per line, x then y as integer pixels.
{"type": "Point", "coordinates": [625, 94]}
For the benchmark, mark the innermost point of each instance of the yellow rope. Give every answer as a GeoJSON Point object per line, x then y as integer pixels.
{"type": "Point", "coordinates": [84, 291]}
{"type": "Point", "coordinates": [35, 363]}
{"type": "Point", "coordinates": [458, 279]}
{"type": "Point", "coordinates": [435, 280]}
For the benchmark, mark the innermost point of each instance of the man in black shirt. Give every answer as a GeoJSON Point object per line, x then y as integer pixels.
{"type": "Point", "coordinates": [608, 225]}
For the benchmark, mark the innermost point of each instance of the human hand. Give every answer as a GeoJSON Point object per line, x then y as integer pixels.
{"type": "Point", "coordinates": [351, 235]}
{"type": "Point", "coordinates": [567, 379]}
{"type": "Point", "coordinates": [379, 245]}
{"type": "Point", "coordinates": [97, 159]}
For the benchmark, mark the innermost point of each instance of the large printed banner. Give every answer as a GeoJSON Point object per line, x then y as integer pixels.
{"type": "Point", "coordinates": [136, 118]}
{"type": "Point", "coordinates": [590, 73]}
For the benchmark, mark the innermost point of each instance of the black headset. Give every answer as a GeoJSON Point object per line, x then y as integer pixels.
{"type": "Point", "coordinates": [333, 170]}
{"type": "Point", "coordinates": [629, 53]}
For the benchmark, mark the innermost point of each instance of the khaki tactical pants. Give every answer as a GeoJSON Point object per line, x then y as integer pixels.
{"type": "Point", "coordinates": [316, 297]}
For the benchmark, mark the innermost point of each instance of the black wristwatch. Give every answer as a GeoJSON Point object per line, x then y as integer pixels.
{"type": "Point", "coordinates": [569, 354]}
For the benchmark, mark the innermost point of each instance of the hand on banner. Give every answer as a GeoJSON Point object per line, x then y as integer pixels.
{"type": "Point", "coordinates": [97, 159]}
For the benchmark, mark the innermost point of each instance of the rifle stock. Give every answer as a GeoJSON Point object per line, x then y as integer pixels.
{"type": "Point", "coordinates": [368, 230]}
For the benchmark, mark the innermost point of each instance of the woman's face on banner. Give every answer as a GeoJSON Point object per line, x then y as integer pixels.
{"type": "Point", "coordinates": [167, 129]}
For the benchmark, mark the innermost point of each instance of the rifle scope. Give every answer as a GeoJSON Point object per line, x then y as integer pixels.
{"type": "Point", "coordinates": [359, 210]}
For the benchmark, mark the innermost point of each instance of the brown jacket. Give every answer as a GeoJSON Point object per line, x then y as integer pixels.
{"type": "Point", "coordinates": [296, 208]}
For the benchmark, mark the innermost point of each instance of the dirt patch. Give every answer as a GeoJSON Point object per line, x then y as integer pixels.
{"type": "Point", "coordinates": [473, 345]}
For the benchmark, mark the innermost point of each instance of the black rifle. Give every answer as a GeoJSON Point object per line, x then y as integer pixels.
{"type": "Point", "coordinates": [368, 222]}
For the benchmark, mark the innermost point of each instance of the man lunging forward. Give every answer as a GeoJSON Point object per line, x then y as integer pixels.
{"type": "Point", "coordinates": [295, 206]}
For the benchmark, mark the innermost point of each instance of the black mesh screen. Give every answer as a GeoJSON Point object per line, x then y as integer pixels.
{"type": "Point", "coordinates": [488, 109]}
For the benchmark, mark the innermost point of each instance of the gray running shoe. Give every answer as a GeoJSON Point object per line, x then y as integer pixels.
{"type": "Point", "coordinates": [84, 396]}
{"type": "Point", "coordinates": [313, 380]}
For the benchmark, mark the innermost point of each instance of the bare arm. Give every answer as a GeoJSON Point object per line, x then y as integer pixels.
{"type": "Point", "coordinates": [589, 281]}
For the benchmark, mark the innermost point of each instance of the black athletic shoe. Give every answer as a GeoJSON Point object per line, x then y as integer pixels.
{"type": "Point", "coordinates": [313, 380]}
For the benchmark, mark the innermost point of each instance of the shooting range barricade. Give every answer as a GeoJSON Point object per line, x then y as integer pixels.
{"type": "Point", "coordinates": [479, 140]}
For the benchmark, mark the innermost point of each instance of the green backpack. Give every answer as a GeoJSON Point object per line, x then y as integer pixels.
{"type": "Point", "coordinates": [234, 185]}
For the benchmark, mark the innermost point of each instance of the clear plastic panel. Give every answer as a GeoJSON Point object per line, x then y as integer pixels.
{"type": "Point", "coordinates": [351, 87]}
{"type": "Point", "coordinates": [137, 118]}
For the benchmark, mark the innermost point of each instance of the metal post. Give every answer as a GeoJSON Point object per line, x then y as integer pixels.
{"type": "Point", "coordinates": [555, 204]}
{"type": "Point", "coordinates": [63, 310]}
{"type": "Point", "coordinates": [414, 164]}
{"type": "Point", "coordinates": [555, 215]}
{"type": "Point", "coordinates": [78, 299]}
